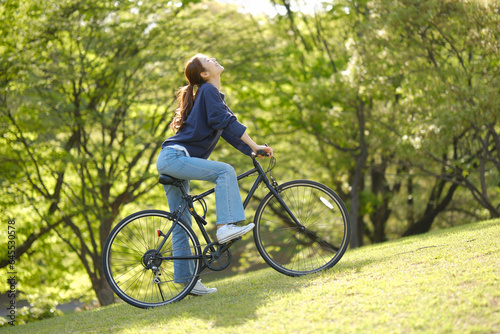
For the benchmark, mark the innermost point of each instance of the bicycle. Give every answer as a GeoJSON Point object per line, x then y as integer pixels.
{"type": "Point", "coordinates": [301, 227]}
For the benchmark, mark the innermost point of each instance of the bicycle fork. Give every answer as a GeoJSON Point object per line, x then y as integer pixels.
{"type": "Point", "coordinates": [274, 190]}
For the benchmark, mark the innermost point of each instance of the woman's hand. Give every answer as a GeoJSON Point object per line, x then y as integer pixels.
{"type": "Point", "coordinates": [246, 138]}
{"type": "Point", "coordinates": [267, 149]}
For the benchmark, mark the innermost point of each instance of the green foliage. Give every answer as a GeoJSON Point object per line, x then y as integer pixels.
{"type": "Point", "coordinates": [395, 95]}
{"type": "Point", "coordinates": [83, 110]}
{"type": "Point", "coordinates": [390, 103]}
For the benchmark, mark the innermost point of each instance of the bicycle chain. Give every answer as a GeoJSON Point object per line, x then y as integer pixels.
{"type": "Point", "coordinates": [206, 270]}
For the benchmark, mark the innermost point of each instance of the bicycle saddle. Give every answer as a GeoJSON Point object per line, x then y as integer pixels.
{"type": "Point", "coordinates": [168, 180]}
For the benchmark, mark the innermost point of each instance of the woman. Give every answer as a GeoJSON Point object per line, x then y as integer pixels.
{"type": "Point", "coordinates": [202, 117]}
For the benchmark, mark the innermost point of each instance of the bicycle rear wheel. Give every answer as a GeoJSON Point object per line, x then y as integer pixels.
{"type": "Point", "coordinates": [136, 267]}
{"type": "Point", "coordinates": [318, 245]}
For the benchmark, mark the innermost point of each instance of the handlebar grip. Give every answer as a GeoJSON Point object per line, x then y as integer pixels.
{"type": "Point", "coordinates": [263, 153]}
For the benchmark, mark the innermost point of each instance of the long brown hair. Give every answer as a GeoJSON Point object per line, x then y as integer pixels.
{"type": "Point", "coordinates": [186, 94]}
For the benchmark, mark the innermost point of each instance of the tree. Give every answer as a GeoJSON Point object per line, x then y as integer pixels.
{"type": "Point", "coordinates": [86, 114]}
{"type": "Point", "coordinates": [336, 100]}
{"type": "Point", "coordinates": [380, 86]}
{"type": "Point", "coordinates": [450, 50]}
{"type": "Point", "coordinates": [88, 108]}
{"type": "Point", "coordinates": [392, 104]}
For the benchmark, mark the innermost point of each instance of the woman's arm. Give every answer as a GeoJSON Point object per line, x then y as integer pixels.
{"type": "Point", "coordinates": [237, 143]}
{"type": "Point", "coordinates": [246, 138]}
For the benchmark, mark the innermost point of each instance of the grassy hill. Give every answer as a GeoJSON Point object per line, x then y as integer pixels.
{"type": "Point", "coordinates": [443, 282]}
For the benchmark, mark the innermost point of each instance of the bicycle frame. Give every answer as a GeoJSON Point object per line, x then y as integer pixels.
{"type": "Point", "coordinates": [189, 201]}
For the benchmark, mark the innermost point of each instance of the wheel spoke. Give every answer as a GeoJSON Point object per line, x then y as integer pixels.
{"type": "Point", "coordinates": [318, 244]}
{"type": "Point", "coordinates": [131, 257]}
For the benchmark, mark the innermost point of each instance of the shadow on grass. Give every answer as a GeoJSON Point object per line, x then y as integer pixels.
{"type": "Point", "coordinates": [240, 299]}
{"type": "Point", "coordinates": [237, 300]}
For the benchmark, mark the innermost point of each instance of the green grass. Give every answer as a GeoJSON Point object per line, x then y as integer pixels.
{"type": "Point", "coordinates": [443, 282]}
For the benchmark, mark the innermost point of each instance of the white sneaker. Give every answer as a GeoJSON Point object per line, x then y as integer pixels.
{"type": "Point", "coordinates": [200, 290]}
{"type": "Point", "coordinates": [231, 231]}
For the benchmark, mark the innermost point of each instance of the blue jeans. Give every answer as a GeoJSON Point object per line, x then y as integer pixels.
{"type": "Point", "coordinates": [229, 206]}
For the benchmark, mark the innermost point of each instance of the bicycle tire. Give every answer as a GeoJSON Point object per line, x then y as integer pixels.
{"type": "Point", "coordinates": [130, 253]}
{"type": "Point", "coordinates": [322, 242]}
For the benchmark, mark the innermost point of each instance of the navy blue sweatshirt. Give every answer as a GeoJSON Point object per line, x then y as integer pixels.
{"type": "Point", "coordinates": [210, 118]}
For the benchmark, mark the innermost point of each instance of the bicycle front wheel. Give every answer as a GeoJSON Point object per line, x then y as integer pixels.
{"type": "Point", "coordinates": [320, 239]}
{"type": "Point", "coordinates": [141, 270]}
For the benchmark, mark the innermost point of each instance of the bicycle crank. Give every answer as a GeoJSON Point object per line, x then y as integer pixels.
{"type": "Point", "coordinates": [216, 257]}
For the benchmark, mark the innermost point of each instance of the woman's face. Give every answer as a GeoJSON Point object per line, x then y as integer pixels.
{"type": "Point", "coordinates": [211, 66]}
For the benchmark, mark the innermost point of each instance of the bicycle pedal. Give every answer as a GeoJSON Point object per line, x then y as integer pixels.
{"type": "Point", "coordinates": [234, 240]}
{"type": "Point", "coordinates": [229, 242]}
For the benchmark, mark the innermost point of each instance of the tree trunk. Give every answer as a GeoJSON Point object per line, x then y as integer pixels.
{"type": "Point", "coordinates": [382, 212]}
{"type": "Point", "coordinates": [424, 224]}
{"type": "Point", "coordinates": [357, 227]}
{"type": "Point", "coordinates": [356, 241]}
{"type": "Point", "coordinates": [410, 213]}
{"type": "Point", "coordinates": [103, 291]}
